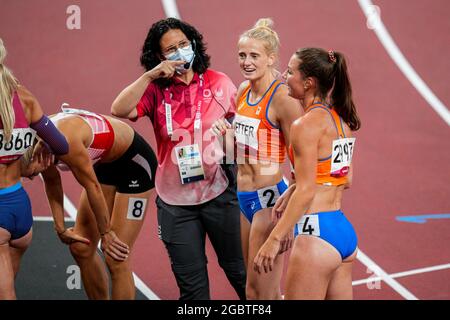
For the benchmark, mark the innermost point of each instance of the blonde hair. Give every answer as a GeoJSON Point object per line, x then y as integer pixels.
{"type": "Point", "coordinates": [8, 84]}
{"type": "Point", "coordinates": [263, 30]}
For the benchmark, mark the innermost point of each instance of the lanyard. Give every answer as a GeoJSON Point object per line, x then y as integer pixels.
{"type": "Point", "coordinates": [198, 104]}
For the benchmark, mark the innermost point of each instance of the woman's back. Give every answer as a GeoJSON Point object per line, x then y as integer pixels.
{"type": "Point", "coordinates": [10, 169]}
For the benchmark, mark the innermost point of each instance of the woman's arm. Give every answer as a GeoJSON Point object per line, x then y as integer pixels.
{"type": "Point", "coordinates": [124, 106]}
{"type": "Point", "coordinates": [287, 110]}
{"type": "Point", "coordinates": [224, 130]}
{"type": "Point", "coordinates": [55, 196]}
{"type": "Point", "coordinates": [80, 164]}
{"type": "Point", "coordinates": [41, 124]}
{"type": "Point", "coordinates": [305, 135]}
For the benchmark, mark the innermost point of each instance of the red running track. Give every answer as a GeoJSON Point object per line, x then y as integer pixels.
{"type": "Point", "coordinates": [402, 159]}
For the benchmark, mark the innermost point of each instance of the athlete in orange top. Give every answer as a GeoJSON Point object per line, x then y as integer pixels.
{"type": "Point", "coordinates": [265, 113]}
{"type": "Point", "coordinates": [320, 265]}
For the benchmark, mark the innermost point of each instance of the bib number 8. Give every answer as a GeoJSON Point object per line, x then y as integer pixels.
{"type": "Point", "coordinates": [136, 208]}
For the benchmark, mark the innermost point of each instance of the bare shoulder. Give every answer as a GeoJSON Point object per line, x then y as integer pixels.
{"type": "Point", "coordinates": [310, 124]}
{"type": "Point", "coordinates": [31, 107]}
{"type": "Point", "coordinates": [25, 96]}
{"type": "Point", "coordinates": [241, 88]}
{"type": "Point", "coordinates": [282, 99]}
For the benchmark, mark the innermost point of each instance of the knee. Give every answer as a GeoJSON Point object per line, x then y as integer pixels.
{"type": "Point", "coordinates": [81, 250]}
{"type": "Point", "coordinates": [116, 267]}
{"type": "Point", "coordinates": [251, 292]}
{"type": "Point", "coordinates": [255, 292]}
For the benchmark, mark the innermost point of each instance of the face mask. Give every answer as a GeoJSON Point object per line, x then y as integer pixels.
{"type": "Point", "coordinates": [186, 54]}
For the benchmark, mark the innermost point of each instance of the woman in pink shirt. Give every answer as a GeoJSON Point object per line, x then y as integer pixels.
{"type": "Point", "coordinates": [196, 193]}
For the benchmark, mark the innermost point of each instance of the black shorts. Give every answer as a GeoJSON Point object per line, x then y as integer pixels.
{"type": "Point", "coordinates": [134, 172]}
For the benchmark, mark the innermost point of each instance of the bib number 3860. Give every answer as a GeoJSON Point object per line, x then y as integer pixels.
{"type": "Point", "coordinates": [20, 141]}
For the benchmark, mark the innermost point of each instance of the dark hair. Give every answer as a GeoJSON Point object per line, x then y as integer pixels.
{"type": "Point", "coordinates": [151, 51]}
{"type": "Point", "coordinates": [330, 70]}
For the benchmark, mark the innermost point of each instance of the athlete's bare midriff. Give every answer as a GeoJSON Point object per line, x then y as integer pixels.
{"type": "Point", "coordinates": [252, 177]}
{"type": "Point", "coordinates": [327, 198]}
{"type": "Point", "coordinates": [123, 137]}
{"type": "Point", "coordinates": [9, 174]}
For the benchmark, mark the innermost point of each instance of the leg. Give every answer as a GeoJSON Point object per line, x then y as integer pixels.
{"type": "Point", "coordinates": [17, 248]}
{"type": "Point", "coordinates": [220, 218]}
{"type": "Point", "coordinates": [311, 266]}
{"type": "Point", "coordinates": [127, 230]}
{"type": "Point", "coordinates": [245, 236]}
{"type": "Point", "coordinates": [184, 237]}
{"type": "Point", "coordinates": [265, 286]}
{"type": "Point", "coordinates": [7, 291]}
{"type": "Point", "coordinates": [93, 271]}
{"type": "Point", "coordinates": [340, 287]}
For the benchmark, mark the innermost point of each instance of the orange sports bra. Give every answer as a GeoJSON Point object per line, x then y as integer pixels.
{"type": "Point", "coordinates": [333, 170]}
{"type": "Point", "coordinates": [256, 136]}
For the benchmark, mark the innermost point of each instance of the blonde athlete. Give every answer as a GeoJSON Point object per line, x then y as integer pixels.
{"type": "Point", "coordinates": [21, 117]}
{"type": "Point", "coordinates": [261, 129]}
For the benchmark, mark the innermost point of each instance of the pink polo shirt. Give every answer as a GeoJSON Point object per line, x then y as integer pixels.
{"type": "Point", "coordinates": [218, 99]}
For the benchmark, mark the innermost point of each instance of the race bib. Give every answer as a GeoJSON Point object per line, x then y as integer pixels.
{"type": "Point", "coordinates": [309, 225]}
{"type": "Point", "coordinates": [21, 140]}
{"type": "Point", "coordinates": [136, 208]}
{"type": "Point", "coordinates": [246, 131]}
{"type": "Point", "coordinates": [268, 196]}
{"type": "Point", "coordinates": [341, 157]}
{"type": "Point", "coordinates": [189, 163]}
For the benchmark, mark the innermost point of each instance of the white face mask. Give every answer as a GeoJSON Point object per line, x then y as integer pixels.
{"type": "Point", "coordinates": [186, 54]}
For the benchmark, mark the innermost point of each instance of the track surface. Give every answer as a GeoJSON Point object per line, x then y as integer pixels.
{"type": "Point", "coordinates": [402, 159]}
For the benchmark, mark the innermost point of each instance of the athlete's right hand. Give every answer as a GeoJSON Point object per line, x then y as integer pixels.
{"type": "Point", "coordinates": [114, 247]}
{"type": "Point", "coordinates": [43, 153]}
{"type": "Point", "coordinates": [68, 236]}
{"type": "Point", "coordinates": [286, 242]}
{"type": "Point", "coordinates": [166, 69]}
{"type": "Point", "coordinates": [281, 204]}
{"type": "Point", "coordinates": [220, 126]}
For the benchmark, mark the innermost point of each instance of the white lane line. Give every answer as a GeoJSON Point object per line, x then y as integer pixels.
{"type": "Point", "coordinates": [72, 212]}
{"type": "Point", "coordinates": [396, 55]}
{"type": "Point", "coordinates": [170, 8]}
{"type": "Point", "coordinates": [146, 291]}
{"type": "Point", "coordinates": [376, 269]}
{"type": "Point", "coordinates": [50, 219]}
{"type": "Point", "coordinates": [404, 274]}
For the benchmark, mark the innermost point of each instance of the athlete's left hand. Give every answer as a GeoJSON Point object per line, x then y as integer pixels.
{"type": "Point", "coordinates": [281, 204]}
{"type": "Point", "coordinates": [43, 153]}
{"type": "Point", "coordinates": [266, 256]}
{"type": "Point", "coordinates": [286, 242]}
{"type": "Point", "coordinates": [114, 247]}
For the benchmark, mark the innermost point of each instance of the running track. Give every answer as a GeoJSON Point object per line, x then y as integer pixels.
{"type": "Point", "coordinates": [402, 159]}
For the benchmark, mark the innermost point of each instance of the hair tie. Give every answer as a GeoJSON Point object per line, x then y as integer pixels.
{"type": "Point", "coordinates": [331, 56]}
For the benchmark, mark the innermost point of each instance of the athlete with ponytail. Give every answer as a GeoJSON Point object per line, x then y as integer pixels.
{"type": "Point", "coordinates": [321, 147]}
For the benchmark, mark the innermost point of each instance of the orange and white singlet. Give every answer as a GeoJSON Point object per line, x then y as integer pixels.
{"type": "Point", "coordinates": [333, 170]}
{"type": "Point", "coordinates": [256, 136]}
